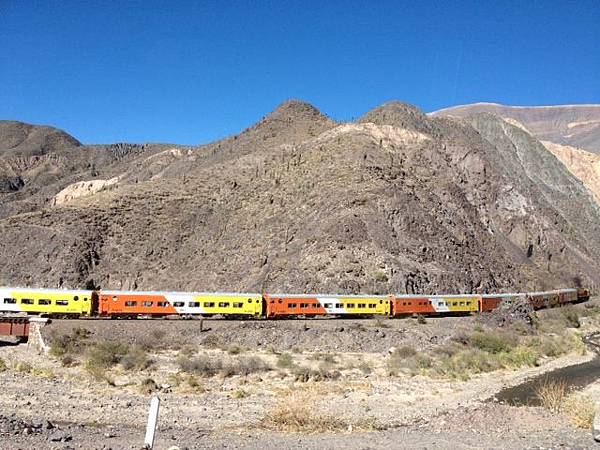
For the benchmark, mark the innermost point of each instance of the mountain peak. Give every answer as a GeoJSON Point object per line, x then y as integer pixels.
{"type": "Point", "coordinates": [399, 114]}
{"type": "Point", "coordinates": [23, 138]}
{"type": "Point", "coordinates": [295, 109]}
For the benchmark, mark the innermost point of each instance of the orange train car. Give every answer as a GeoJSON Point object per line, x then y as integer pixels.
{"type": "Point", "coordinates": [406, 305]}
{"type": "Point", "coordinates": [489, 302]}
{"type": "Point", "coordinates": [124, 304]}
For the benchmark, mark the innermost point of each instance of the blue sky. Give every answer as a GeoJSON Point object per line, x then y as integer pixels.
{"type": "Point", "coordinates": [192, 72]}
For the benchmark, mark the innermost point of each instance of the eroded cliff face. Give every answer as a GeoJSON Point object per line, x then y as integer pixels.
{"type": "Point", "coordinates": [584, 165]}
{"type": "Point", "coordinates": [573, 125]}
{"type": "Point", "coordinates": [397, 202]}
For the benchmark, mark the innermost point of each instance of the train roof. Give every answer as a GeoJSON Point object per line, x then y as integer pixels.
{"type": "Point", "coordinates": [325, 296]}
{"type": "Point", "coordinates": [45, 291]}
{"type": "Point", "coordinates": [196, 294]}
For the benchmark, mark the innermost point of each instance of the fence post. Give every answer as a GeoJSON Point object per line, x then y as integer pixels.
{"type": "Point", "coordinates": [152, 420]}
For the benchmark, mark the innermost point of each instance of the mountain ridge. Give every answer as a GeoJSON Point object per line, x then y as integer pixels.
{"type": "Point", "coordinates": [301, 203]}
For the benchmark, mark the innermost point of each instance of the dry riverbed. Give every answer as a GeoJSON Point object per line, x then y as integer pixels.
{"type": "Point", "coordinates": [309, 384]}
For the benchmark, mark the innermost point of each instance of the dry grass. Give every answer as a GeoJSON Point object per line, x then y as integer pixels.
{"type": "Point", "coordinates": [580, 410]}
{"type": "Point", "coordinates": [552, 395]}
{"type": "Point", "coordinates": [2, 365]}
{"type": "Point", "coordinates": [297, 412]}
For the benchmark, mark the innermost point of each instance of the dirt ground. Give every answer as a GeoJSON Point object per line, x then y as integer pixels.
{"type": "Point", "coordinates": [354, 404]}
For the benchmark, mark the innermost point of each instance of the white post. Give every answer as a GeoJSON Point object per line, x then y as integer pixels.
{"type": "Point", "coordinates": [152, 419]}
{"type": "Point", "coordinates": [596, 424]}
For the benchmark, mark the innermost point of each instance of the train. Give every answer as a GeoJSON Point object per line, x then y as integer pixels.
{"type": "Point", "coordinates": [137, 304]}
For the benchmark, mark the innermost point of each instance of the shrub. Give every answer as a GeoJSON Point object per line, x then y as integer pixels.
{"type": "Point", "coordinates": [245, 366]}
{"type": "Point", "coordinates": [421, 319]}
{"type": "Point", "coordinates": [62, 344]}
{"type": "Point", "coordinates": [3, 366]}
{"type": "Point", "coordinates": [234, 350]}
{"type": "Point", "coordinates": [136, 358]}
{"type": "Point", "coordinates": [571, 317]}
{"type": "Point", "coordinates": [102, 357]}
{"type": "Point", "coordinates": [518, 357]}
{"type": "Point", "coordinates": [24, 367]}
{"type": "Point", "coordinates": [491, 342]}
{"type": "Point", "coordinates": [148, 386]}
{"type": "Point", "coordinates": [403, 352]}
{"type": "Point", "coordinates": [68, 361]}
{"type": "Point", "coordinates": [201, 365]}
{"type": "Point", "coordinates": [285, 361]}
{"type": "Point", "coordinates": [239, 394]}
{"type": "Point", "coordinates": [206, 366]}
{"type": "Point", "coordinates": [408, 358]}
{"type": "Point", "coordinates": [107, 353]}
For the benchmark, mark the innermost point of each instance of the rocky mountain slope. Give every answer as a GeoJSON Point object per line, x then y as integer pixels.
{"type": "Point", "coordinates": [573, 125]}
{"type": "Point", "coordinates": [396, 202]}
{"type": "Point", "coordinates": [584, 165]}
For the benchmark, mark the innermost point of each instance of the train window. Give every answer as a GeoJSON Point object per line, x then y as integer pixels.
{"type": "Point", "coordinates": [147, 304]}
{"type": "Point", "coordinates": [339, 305]}
{"type": "Point", "coordinates": [441, 304]}
{"type": "Point", "coordinates": [238, 305]}
{"type": "Point", "coordinates": [178, 304]}
{"type": "Point", "coordinates": [361, 306]}
{"type": "Point", "coordinates": [280, 301]}
{"type": "Point", "coordinates": [380, 302]}
{"type": "Point", "coordinates": [130, 303]}
{"type": "Point", "coordinates": [327, 305]}
{"type": "Point", "coordinates": [223, 304]}
{"type": "Point", "coordinates": [372, 305]}
{"type": "Point", "coordinates": [27, 301]}
{"type": "Point", "coordinates": [162, 304]}
{"type": "Point", "coordinates": [350, 305]}
{"type": "Point", "coordinates": [10, 300]}
{"type": "Point", "coordinates": [208, 304]}
{"type": "Point", "coordinates": [303, 305]}
{"type": "Point", "coordinates": [115, 298]}
{"type": "Point", "coordinates": [194, 304]}
{"type": "Point", "coordinates": [62, 302]}
{"type": "Point", "coordinates": [43, 301]}
{"type": "Point", "coordinates": [293, 305]}
{"type": "Point", "coordinates": [76, 298]}
{"type": "Point", "coordinates": [85, 299]}
{"type": "Point", "coordinates": [249, 300]}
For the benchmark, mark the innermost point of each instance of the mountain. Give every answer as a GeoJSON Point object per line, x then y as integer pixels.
{"type": "Point", "coordinates": [573, 125]}
{"type": "Point", "coordinates": [395, 202]}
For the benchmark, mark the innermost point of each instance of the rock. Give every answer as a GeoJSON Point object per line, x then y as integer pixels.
{"type": "Point", "coordinates": [59, 436]}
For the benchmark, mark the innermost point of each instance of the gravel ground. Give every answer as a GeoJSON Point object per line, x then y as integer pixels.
{"type": "Point", "coordinates": [349, 335]}
{"type": "Point", "coordinates": [50, 406]}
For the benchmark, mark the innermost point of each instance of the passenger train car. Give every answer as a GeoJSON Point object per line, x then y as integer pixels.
{"type": "Point", "coordinates": [130, 304]}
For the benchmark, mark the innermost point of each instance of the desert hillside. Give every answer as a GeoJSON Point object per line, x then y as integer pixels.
{"type": "Point", "coordinates": [395, 202]}
{"type": "Point", "coordinates": [574, 125]}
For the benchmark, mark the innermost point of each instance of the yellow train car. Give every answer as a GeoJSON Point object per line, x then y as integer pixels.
{"type": "Point", "coordinates": [226, 304]}
{"type": "Point", "coordinates": [455, 303]}
{"type": "Point", "coordinates": [48, 301]}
